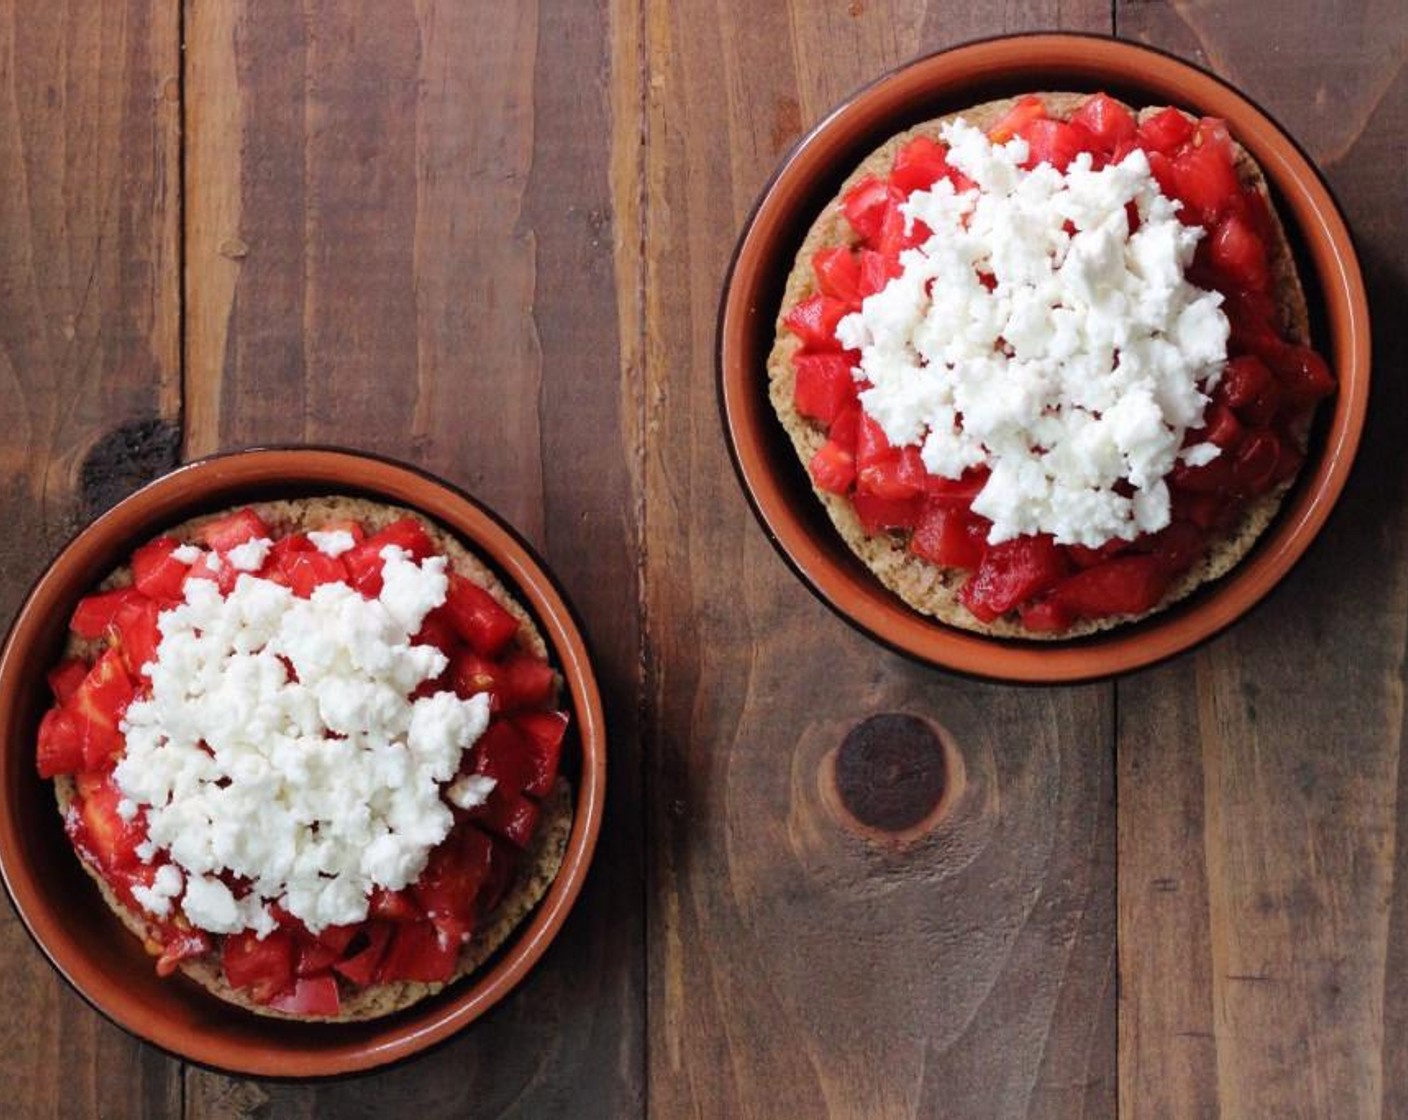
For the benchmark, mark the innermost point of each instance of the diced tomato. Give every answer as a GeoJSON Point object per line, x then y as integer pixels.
{"type": "Point", "coordinates": [1305, 375]}
{"type": "Point", "coordinates": [392, 906]}
{"type": "Point", "coordinates": [504, 754]}
{"type": "Point", "coordinates": [545, 732]}
{"type": "Point", "coordinates": [1054, 142]}
{"type": "Point", "coordinates": [824, 386]}
{"type": "Point", "coordinates": [509, 814]}
{"type": "Point", "coordinates": [833, 468]}
{"type": "Point", "coordinates": [896, 477]}
{"type": "Point", "coordinates": [137, 633]}
{"type": "Point", "coordinates": [101, 830]}
{"type": "Point", "coordinates": [814, 322]}
{"type": "Point", "coordinates": [865, 204]}
{"type": "Point", "coordinates": [1130, 584]}
{"type": "Point", "coordinates": [1046, 616]}
{"type": "Point", "coordinates": [877, 514]}
{"type": "Point", "coordinates": [919, 165]}
{"type": "Point", "coordinates": [1165, 174]}
{"type": "Point", "coordinates": [1263, 408]}
{"type": "Point", "coordinates": [1254, 468]}
{"type": "Point", "coordinates": [872, 446]}
{"type": "Point", "coordinates": [1109, 123]}
{"type": "Point", "coordinates": [448, 888]}
{"type": "Point", "coordinates": [1242, 380]}
{"type": "Point", "coordinates": [156, 573]}
{"type": "Point", "coordinates": [346, 525]}
{"type": "Point", "coordinates": [876, 271]}
{"type": "Point", "coordinates": [898, 233]}
{"type": "Point", "coordinates": [95, 613]}
{"type": "Point", "coordinates": [949, 536]}
{"type": "Point", "coordinates": [65, 677]}
{"type": "Point", "coordinates": [407, 534]}
{"type": "Point", "coordinates": [317, 952]}
{"type": "Point", "coordinates": [837, 273]}
{"type": "Point", "coordinates": [1026, 110]}
{"type": "Point", "coordinates": [304, 571]}
{"type": "Point", "coordinates": [479, 618]}
{"type": "Point", "coordinates": [98, 705]}
{"type": "Point", "coordinates": [1203, 510]}
{"type": "Point", "coordinates": [1235, 250]}
{"type": "Point", "coordinates": [1011, 573]}
{"type": "Point", "coordinates": [1165, 132]}
{"type": "Point", "coordinates": [957, 491]}
{"type": "Point", "coordinates": [525, 681]}
{"type": "Point", "coordinates": [472, 674]}
{"type": "Point", "coordinates": [310, 995]}
{"type": "Point", "coordinates": [179, 943]}
{"type": "Point", "coordinates": [418, 951]}
{"type": "Point", "coordinates": [437, 630]}
{"type": "Point", "coordinates": [60, 746]}
{"type": "Point", "coordinates": [1220, 425]}
{"type": "Point", "coordinates": [1176, 547]}
{"type": "Point", "coordinates": [233, 529]}
{"type": "Point", "coordinates": [846, 430]}
{"type": "Point", "coordinates": [214, 567]}
{"type": "Point", "coordinates": [263, 968]}
{"type": "Point", "coordinates": [1206, 177]}
{"type": "Point", "coordinates": [503, 863]}
{"type": "Point", "coordinates": [370, 947]}
{"type": "Point", "coordinates": [1083, 557]}
{"type": "Point", "coordinates": [1210, 478]}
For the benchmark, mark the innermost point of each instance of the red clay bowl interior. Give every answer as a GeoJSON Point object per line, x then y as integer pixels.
{"type": "Point", "coordinates": [776, 482]}
{"type": "Point", "coordinates": [58, 903]}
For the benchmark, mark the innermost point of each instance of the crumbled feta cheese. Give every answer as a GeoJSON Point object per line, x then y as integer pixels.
{"type": "Point", "coordinates": [470, 791]}
{"type": "Point", "coordinates": [1034, 334]}
{"type": "Point", "coordinates": [187, 553]}
{"type": "Point", "coordinates": [333, 543]}
{"type": "Point", "coordinates": [166, 885]}
{"type": "Point", "coordinates": [249, 557]}
{"type": "Point", "coordinates": [314, 785]}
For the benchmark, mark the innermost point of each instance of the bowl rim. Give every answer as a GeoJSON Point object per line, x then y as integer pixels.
{"type": "Point", "coordinates": [881, 615]}
{"type": "Point", "coordinates": [245, 474]}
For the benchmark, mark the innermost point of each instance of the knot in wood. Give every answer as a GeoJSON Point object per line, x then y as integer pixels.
{"type": "Point", "coordinates": [891, 771]}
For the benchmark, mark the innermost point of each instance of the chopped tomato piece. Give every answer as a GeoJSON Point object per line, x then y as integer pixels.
{"type": "Point", "coordinates": [949, 536]}
{"type": "Point", "coordinates": [814, 322]}
{"type": "Point", "coordinates": [179, 943]}
{"type": "Point", "coordinates": [1305, 375]}
{"type": "Point", "coordinates": [137, 634]}
{"type": "Point", "coordinates": [303, 572]}
{"type": "Point", "coordinates": [1109, 123]}
{"type": "Point", "coordinates": [1254, 468]}
{"type": "Point", "coordinates": [1243, 379]}
{"type": "Point", "coordinates": [368, 948]}
{"type": "Point", "coordinates": [1166, 131]}
{"type": "Point", "coordinates": [473, 674]}
{"type": "Point", "coordinates": [233, 529]}
{"type": "Point", "coordinates": [156, 573]}
{"type": "Point", "coordinates": [545, 732]}
{"type": "Point", "coordinates": [898, 233]}
{"type": "Point", "coordinates": [896, 477]}
{"type": "Point", "coordinates": [526, 681]}
{"type": "Point", "coordinates": [919, 165]}
{"type": "Point", "coordinates": [1054, 142]}
{"type": "Point", "coordinates": [100, 829]}
{"type": "Point", "coordinates": [60, 746]}
{"type": "Point", "coordinates": [317, 952]}
{"type": "Point", "coordinates": [1027, 109]}
{"type": "Point", "coordinates": [97, 706]}
{"type": "Point", "coordinates": [392, 906]}
{"type": "Point", "coordinates": [263, 968]}
{"type": "Point", "coordinates": [95, 613]}
{"type": "Point", "coordinates": [957, 491]}
{"type": "Point", "coordinates": [1083, 557]}
{"type": "Point", "coordinates": [509, 814]}
{"type": "Point", "coordinates": [1176, 547]}
{"type": "Point", "coordinates": [449, 886]}
{"type": "Point", "coordinates": [865, 204]}
{"type": "Point", "coordinates": [833, 468]}
{"type": "Point", "coordinates": [1046, 616]}
{"type": "Point", "coordinates": [437, 630]}
{"type": "Point", "coordinates": [824, 387]}
{"type": "Point", "coordinates": [504, 753]}
{"type": "Point", "coordinates": [1221, 426]}
{"type": "Point", "coordinates": [876, 271]}
{"type": "Point", "coordinates": [65, 677]}
{"type": "Point", "coordinates": [216, 568]}
{"type": "Point", "coordinates": [1210, 478]}
{"type": "Point", "coordinates": [1238, 253]}
{"type": "Point", "coordinates": [877, 514]}
{"type": "Point", "coordinates": [837, 273]}
{"type": "Point", "coordinates": [418, 951]}
{"type": "Point", "coordinates": [1011, 573]}
{"type": "Point", "coordinates": [503, 862]}
{"type": "Point", "coordinates": [1130, 584]}
{"type": "Point", "coordinates": [479, 618]}
{"type": "Point", "coordinates": [1206, 178]}
{"type": "Point", "coordinates": [310, 995]}
{"type": "Point", "coordinates": [407, 534]}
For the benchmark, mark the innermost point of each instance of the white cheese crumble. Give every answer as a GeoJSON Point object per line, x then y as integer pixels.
{"type": "Point", "coordinates": [187, 554]}
{"type": "Point", "coordinates": [167, 883]}
{"type": "Point", "coordinates": [471, 790]}
{"type": "Point", "coordinates": [1078, 374]}
{"type": "Point", "coordinates": [332, 543]}
{"type": "Point", "coordinates": [249, 557]}
{"type": "Point", "coordinates": [280, 744]}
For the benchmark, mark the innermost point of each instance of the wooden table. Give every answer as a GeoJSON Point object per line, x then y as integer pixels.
{"type": "Point", "coordinates": [489, 239]}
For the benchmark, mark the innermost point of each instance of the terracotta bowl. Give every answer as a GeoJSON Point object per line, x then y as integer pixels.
{"type": "Point", "coordinates": [59, 904]}
{"type": "Point", "coordinates": [810, 176]}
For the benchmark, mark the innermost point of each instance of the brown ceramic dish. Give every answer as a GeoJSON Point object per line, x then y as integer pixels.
{"type": "Point", "coordinates": [58, 903]}
{"type": "Point", "coordinates": [952, 80]}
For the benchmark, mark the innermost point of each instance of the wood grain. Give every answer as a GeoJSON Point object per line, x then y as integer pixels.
{"type": "Point", "coordinates": [1261, 780]}
{"type": "Point", "coordinates": [799, 964]}
{"type": "Point", "coordinates": [413, 254]}
{"type": "Point", "coordinates": [89, 404]}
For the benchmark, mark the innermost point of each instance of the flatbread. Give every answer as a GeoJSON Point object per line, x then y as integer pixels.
{"type": "Point", "coordinates": [927, 587]}
{"type": "Point", "coordinates": [538, 864]}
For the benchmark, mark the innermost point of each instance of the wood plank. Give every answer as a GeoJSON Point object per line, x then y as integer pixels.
{"type": "Point", "coordinates": [401, 237]}
{"type": "Point", "coordinates": [89, 364]}
{"type": "Point", "coordinates": [799, 961]}
{"type": "Point", "coordinates": [1263, 905]}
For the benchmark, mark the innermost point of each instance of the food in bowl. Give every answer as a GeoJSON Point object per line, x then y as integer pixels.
{"type": "Point", "coordinates": [309, 752]}
{"type": "Point", "coordinates": [1047, 362]}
